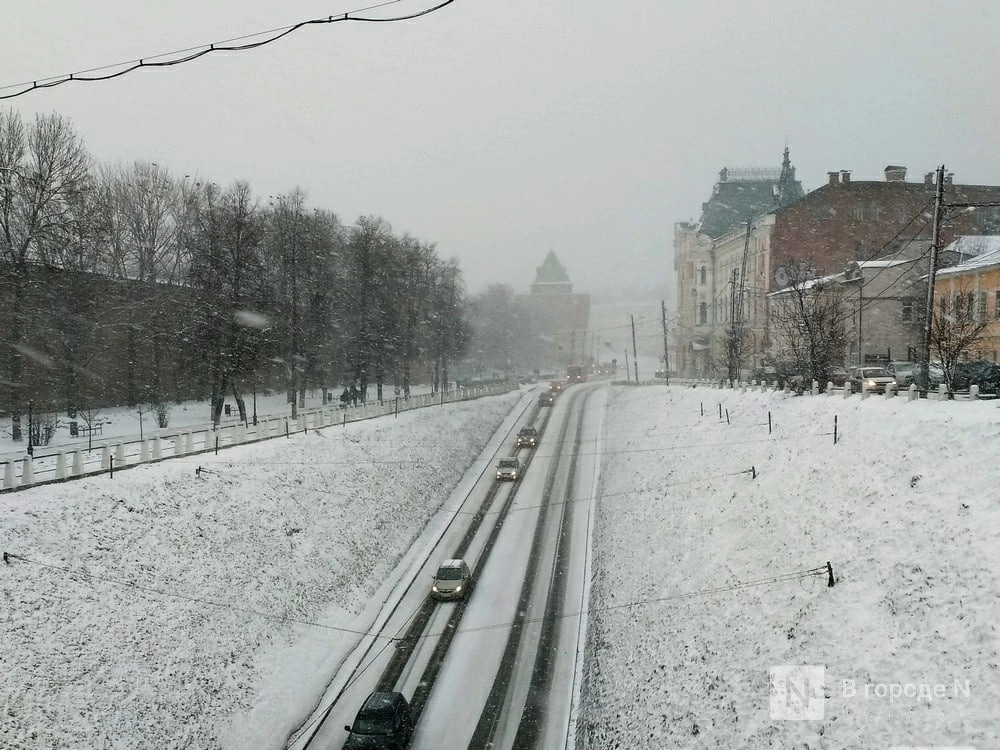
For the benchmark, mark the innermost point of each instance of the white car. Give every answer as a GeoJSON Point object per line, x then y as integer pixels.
{"type": "Point", "coordinates": [872, 379]}
{"type": "Point", "coordinates": [509, 469]}
{"type": "Point", "coordinates": [452, 580]}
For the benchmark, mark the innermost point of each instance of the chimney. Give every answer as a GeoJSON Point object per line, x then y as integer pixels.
{"type": "Point", "coordinates": [834, 178]}
{"type": "Point", "coordinates": [929, 179]}
{"type": "Point", "coordinates": [949, 178]}
{"type": "Point", "coordinates": [845, 176]}
{"type": "Point", "coordinates": [895, 173]}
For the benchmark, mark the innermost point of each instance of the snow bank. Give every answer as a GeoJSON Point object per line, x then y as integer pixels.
{"type": "Point", "coordinates": [904, 506]}
{"type": "Point", "coordinates": [156, 608]}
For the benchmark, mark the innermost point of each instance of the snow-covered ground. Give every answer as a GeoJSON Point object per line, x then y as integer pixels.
{"type": "Point", "coordinates": [172, 610]}
{"type": "Point", "coordinates": [905, 506]}
{"type": "Point", "coordinates": [169, 609]}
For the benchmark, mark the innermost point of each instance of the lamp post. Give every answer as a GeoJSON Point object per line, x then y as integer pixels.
{"type": "Point", "coordinates": [254, 404]}
{"type": "Point", "coordinates": [31, 447]}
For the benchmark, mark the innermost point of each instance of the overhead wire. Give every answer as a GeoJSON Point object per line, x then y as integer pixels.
{"type": "Point", "coordinates": [189, 54]}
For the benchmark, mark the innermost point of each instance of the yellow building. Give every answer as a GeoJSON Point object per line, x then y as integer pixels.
{"type": "Point", "coordinates": [974, 284]}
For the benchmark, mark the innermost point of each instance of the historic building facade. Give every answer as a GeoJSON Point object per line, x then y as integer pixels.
{"type": "Point", "coordinates": [555, 318]}
{"type": "Point", "coordinates": [880, 228]}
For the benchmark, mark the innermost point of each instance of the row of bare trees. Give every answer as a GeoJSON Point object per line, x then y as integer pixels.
{"type": "Point", "coordinates": [257, 282]}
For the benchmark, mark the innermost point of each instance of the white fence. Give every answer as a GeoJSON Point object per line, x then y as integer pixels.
{"type": "Point", "coordinates": [115, 456]}
{"type": "Point", "coordinates": [911, 394]}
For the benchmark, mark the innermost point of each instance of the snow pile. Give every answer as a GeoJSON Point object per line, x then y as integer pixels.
{"type": "Point", "coordinates": [906, 508]}
{"type": "Point", "coordinates": [152, 609]}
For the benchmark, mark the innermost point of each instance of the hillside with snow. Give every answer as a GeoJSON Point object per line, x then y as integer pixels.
{"type": "Point", "coordinates": [706, 523]}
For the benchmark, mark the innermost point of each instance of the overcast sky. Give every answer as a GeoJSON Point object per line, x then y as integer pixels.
{"type": "Point", "coordinates": [501, 129]}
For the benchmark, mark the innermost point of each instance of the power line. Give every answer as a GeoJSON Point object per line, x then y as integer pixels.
{"type": "Point", "coordinates": [234, 44]}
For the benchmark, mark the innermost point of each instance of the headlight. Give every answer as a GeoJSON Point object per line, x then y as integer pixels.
{"type": "Point", "coordinates": [435, 589]}
{"type": "Point", "coordinates": [458, 588]}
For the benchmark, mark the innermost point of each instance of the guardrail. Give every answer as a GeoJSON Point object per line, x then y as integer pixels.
{"type": "Point", "coordinates": [63, 466]}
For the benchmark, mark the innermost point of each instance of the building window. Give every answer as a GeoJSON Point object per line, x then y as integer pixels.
{"type": "Point", "coordinates": [704, 275]}
{"type": "Point", "coordinates": [907, 310]}
{"type": "Point", "coordinates": [858, 213]}
{"type": "Point", "coordinates": [703, 313]}
{"type": "Point", "coordinates": [859, 252]}
{"type": "Point", "coordinates": [981, 308]}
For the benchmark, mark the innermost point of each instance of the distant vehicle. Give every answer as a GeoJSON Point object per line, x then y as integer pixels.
{"type": "Point", "coordinates": [835, 374]}
{"type": "Point", "coordinates": [905, 373]}
{"type": "Point", "coordinates": [874, 379]}
{"type": "Point", "coordinates": [383, 723]}
{"type": "Point", "coordinates": [527, 437]}
{"type": "Point", "coordinates": [509, 469]}
{"type": "Point", "coordinates": [452, 580]}
{"type": "Point", "coordinates": [576, 374]}
{"type": "Point", "coordinates": [546, 399]}
{"type": "Point", "coordinates": [556, 386]}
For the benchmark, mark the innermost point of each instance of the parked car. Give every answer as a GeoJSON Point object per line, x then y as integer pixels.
{"type": "Point", "coordinates": [835, 374]}
{"type": "Point", "coordinates": [527, 437]}
{"type": "Point", "coordinates": [546, 399]}
{"type": "Point", "coordinates": [986, 375]}
{"type": "Point", "coordinates": [383, 723]}
{"type": "Point", "coordinates": [509, 469]}
{"type": "Point", "coordinates": [452, 580]}
{"type": "Point", "coordinates": [874, 379]}
{"type": "Point", "coordinates": [903, 372]}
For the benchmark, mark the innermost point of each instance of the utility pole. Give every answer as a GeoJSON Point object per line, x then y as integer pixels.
{"type": "Point", "coordinates": [635, 360]}
{"type": "Point", "coordinates": [666, 360]}
{"type": "Point", "coordinates": [925, 354]}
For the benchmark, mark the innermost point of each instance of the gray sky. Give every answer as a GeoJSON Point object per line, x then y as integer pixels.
{"type": "Point", "coordinates": [500, 130]}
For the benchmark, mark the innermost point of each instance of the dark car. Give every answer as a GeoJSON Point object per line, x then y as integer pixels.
{"type": "Point", "coordinates": [546, 399]}
{"type": "Point", "coordinates": [527, 437]}
{"type": "Point", "coordinates": [383, 723]}
{"type": "Point", "coordinates": [836, 374]}
{"type": "Point", "coordinates": [985, 375]}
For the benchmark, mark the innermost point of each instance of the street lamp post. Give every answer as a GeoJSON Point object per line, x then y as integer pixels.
{"type": "Point", "coordinates": [31, 447]}
{"type": "Point", "coordinates": [254, 404]}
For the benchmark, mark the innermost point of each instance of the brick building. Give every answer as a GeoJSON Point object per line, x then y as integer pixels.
{"type": "Point", "coordinates": [821, 234]}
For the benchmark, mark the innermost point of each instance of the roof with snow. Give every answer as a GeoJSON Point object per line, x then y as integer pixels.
{"type": "Point", "coordinates": [980, 251]}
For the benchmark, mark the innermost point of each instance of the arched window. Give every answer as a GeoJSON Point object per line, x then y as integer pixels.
{"type": "Point", "coordinates": [703, 313]}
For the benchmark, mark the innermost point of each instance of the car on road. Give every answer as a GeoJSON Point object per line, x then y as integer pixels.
{"type": "Point", "coordinates": [527, 437]}
{"type": "Point", "coordinates": [452, 580]}
{"type": "Point", "coordinates": [874, 379]}
{"type": "Point", "coordinates": [835, 374]}
{"type": "Point", "coordinates": [508, 469]}
{"type": "Point", "coordinates": [556, 386]}
{"type": "Point", "coordinates": [384, 722]}
{"type": "Point", "coordinates": [904, 373]}
{"type": "Point", "coordinates": [546, 399]}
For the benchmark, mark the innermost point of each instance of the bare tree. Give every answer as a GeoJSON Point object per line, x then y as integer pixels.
{"type": "Point", "coordinates": [957, 325]}
{"type": "Point", "coordinates": [807, 321]}
{"type": "Point", "coordinates": [43, 167]}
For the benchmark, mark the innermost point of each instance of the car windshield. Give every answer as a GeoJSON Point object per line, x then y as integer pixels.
{"type": "Point", "coordinates": [373, 721]}
{"type": "Point", "coordinates": [875, 372]}
{"type": "Point", "coordinates": [508, 463]}
{"type": "Point", "coordinates": [528, 432]}
{"type": "Point", "coordinates": [449, 573]}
